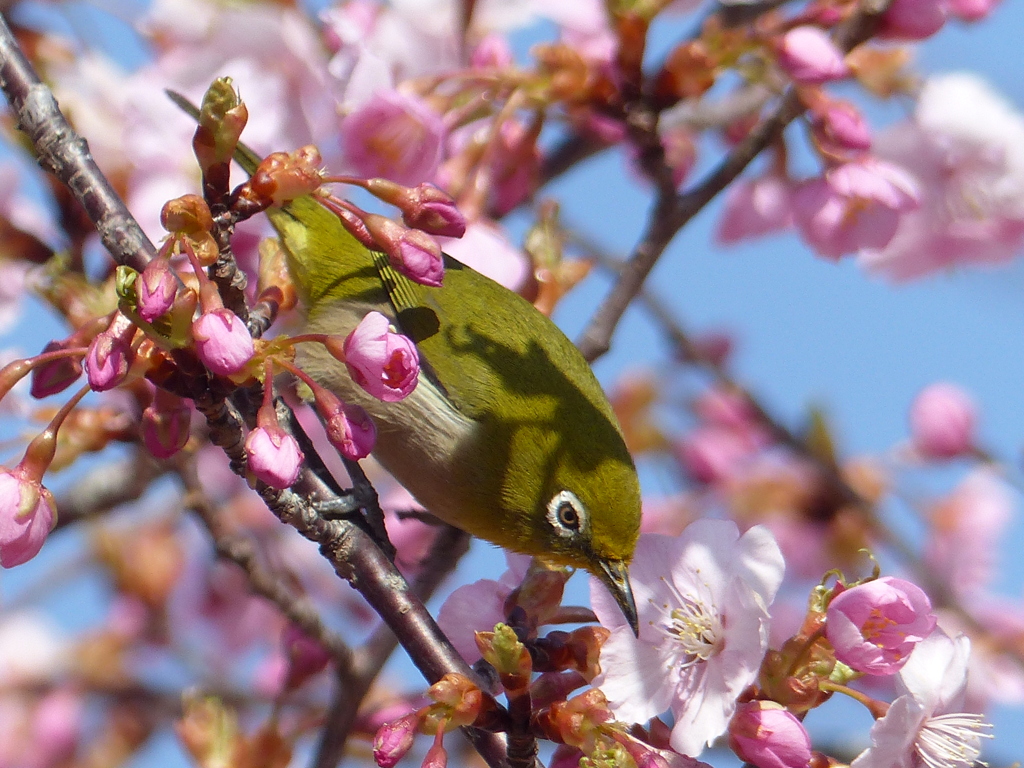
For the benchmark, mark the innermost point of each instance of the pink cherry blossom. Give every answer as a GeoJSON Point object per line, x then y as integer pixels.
{"type": "Point", "coordinates": [515, 164]}
{"type": "Point", "coordinates": [969, 167]}
{"type": "Point", "coordinates": [943, 419]}
{"type": "Point", "coordinates": [12, 288]}
{"type": "Point", "coordinates": [394, 739]}
{"type": "Point", "coordinates": [808, 55]}
{"type": "Point", "coordinates": [223, 342]}
{"type": "Point", "coordinates": [273, 455]}
{"type": "Point", "coordinates": [384, 363]}
{"type": "Point", "coordinates": [713, 454]}
{"type": "Point", "coordinates": [56, 375]}
{"type": "Point", "coordinates": [965, 530]}
{"type": "Point", "coordinates": [165, 424]}
{"type": "Point", "coordinates": [913, 19]}
{"type": "Point", "coordinates": [756, 207]}
{"type": "Point", "coordinates": [306, 656]}
{"type": "Point", "coordinates": [412, 537]}
{"type": "Point", "coordinates": [855, 205]}
{"type": "Point", "coordinates": [492, 52]}
{"type": "Point", "coordinates": [767, 735]}
{"type": "Point", "coordinates": [477, 607]}
{"type": "Point", "coordinates": [412, 252]}
{"type": "Point", "coordinates": [394, 136]}
{"type": "Point", "coordinates": [486, 248]}
{"type": "Point", "coordinates": [351, 431]}
{"type": "Point", "coordinates": [27, 514]}
{"type": "Point", "coordinates": [840, 129]}
{"type": "Point", "coordinates": [971, 10]}
{"type": "Point", "coordinates": [875, 625]}
{"type": "Point", "coordinates": [702, 600]}
{"type": "Point", "coordinates": [926, 724]}
{"type": "Point", "coordinates": [56, 728]}
{"type": "Point", "coordinates": [418, 257]}
{"type": "Point", "coordinates": [434, 211]}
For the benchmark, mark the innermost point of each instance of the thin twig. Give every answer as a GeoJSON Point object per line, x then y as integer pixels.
{"type": "Point", "coordinates": [671, 212]}
{"type": "Point", "coordinates": [829, 473]}
{"type": "Point", "coordinates": [298, 609]}
{"type": "Point", "coordinates": [108, 486]}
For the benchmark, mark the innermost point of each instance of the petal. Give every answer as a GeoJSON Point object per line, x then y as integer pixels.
{"type": "Point", "coordinates": [635, 677]}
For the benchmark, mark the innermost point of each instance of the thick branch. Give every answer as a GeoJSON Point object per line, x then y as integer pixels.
{"type": "Point", "coordinates": [447, 549]}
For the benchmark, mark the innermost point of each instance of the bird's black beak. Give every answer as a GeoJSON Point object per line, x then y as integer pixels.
{"type": "Point", "coordinates": [615, 575]}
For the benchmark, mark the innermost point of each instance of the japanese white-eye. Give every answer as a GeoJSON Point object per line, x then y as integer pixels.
{"type": "Point", "coordinates": [508, 434]}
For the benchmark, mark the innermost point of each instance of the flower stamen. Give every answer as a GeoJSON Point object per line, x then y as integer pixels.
{"type": "Point", "coordinates": [951, 741]}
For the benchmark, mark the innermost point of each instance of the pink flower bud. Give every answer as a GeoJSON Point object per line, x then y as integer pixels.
{"type": "Point", "coordinates": [165, 425]}
{"type": "Point", "coordinates": [942, 421]}
{"type": "Point", "coordinates": [839, 127]}
{"type": "Point", "coordinates": [223, 342]}
{"type": "Point", "coordinates": [756, 208]}
{"type": "Point", "coordinates": [856, 205]}
{"type": "Point", "coordinates": [874, 626]}
{"type": "Point", "coordinates": [57, 727]}
{"type": "Point", "coordinates": [433, 211]}
{"type": "Point", "coordinates": [713, 454]}
{"type": "Point", "coordinates": [913, 19]}
{"type": "Point", "coordinates": [767, 735]}
{"type": "Point", "coordinates": [306, 656]}
{"type": "Point", "coordinates": [971, 10]}
{"type": "Point", "coordinates": [384, 363]}
{"type": "Point", "coordinates": [110, 354]}
{"type": "Point", "coordinates": [56, 375]}
{"type": "Point", "coordinates": [492, 52]}
{"type": "Point", "coordinates": [27, 515]}
{"type": "Point", "coordinates": [418, 257]}
{"type": "Point", "coordinates": [155, 290]}
{"type": "Point", "coordinates": [350, 430]}
{"type": "Point", "coordinates": [413, 253]}
{"type": "Point", "coordinates": [394, 740]}
{"type": "Point", "coordinates": [809, 56]}
{"type": "Point", "coordinates": [394, 136]}
{"type": "Point", "coordinates": [274, 456]}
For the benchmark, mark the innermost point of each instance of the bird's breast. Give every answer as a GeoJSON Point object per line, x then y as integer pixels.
{"type": "Point", "coordinates": [421, 439]}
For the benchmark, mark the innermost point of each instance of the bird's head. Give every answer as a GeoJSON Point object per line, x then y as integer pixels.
{"type": "Point", "coordinates": [583, 516]}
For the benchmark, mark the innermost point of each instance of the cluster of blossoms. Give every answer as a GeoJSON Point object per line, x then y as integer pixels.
{"type": "Point", "coordinates": [422, 105]}
{"type": "Point", "coordinates": [173, 305]}
{"type": "Point", "coordinates": [704, 600]}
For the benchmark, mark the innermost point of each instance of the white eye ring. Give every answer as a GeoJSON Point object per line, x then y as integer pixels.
{"type": "Point", "coordinates": [567, 515]}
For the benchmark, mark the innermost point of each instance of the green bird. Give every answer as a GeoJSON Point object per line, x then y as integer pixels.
{"type": "Point", "coordinates": [507, 434]}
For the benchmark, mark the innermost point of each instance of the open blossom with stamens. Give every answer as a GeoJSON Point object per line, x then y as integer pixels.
{"type": "Point", "coordinates": [702, 600]}
{"type": "Point", "coordinates": [926, 724]}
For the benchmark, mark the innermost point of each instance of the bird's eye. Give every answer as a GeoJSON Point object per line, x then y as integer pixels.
{"type": "Point", "coordinates": [567, 514]}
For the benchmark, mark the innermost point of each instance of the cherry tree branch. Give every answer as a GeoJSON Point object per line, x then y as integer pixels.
{"type": "Point", "coordinates": [838, 488]}
{"type": "Point", "coordinates": [671, 211]}
{"type": "Point", "coordinates": [445, 552]}
{"type": "Point", "coordinates": [107, 486]}
{"type": "Point", "coordinates": [299, 610]}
